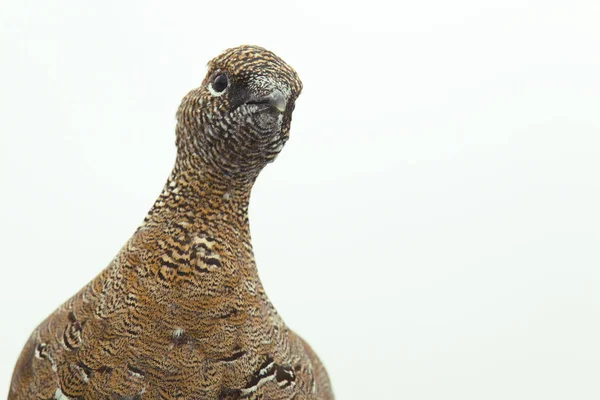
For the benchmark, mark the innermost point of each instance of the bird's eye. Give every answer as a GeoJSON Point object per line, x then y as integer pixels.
{"type": "Point", "coordinates": [220, 83]}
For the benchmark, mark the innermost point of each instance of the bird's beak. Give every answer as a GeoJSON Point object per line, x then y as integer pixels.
{"type": "Point", "coordinates": [277, 100]}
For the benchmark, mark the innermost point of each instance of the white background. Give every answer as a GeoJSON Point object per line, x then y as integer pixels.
{"type": "Point", "coordinates": [431, 228]}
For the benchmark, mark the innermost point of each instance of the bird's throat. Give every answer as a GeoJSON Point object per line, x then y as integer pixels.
{"type": "Point", "coordinates": [199, 231]}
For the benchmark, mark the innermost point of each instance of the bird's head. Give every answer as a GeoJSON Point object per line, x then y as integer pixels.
{"type": "Point", "coordinates": [239, 119]}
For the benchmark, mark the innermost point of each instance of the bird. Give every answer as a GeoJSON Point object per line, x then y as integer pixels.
{"type": "Point", "coordinates": [180, 312]}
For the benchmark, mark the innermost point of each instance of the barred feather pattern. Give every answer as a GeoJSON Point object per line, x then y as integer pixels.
{"type": "Point", "coordinates": [180, 312]}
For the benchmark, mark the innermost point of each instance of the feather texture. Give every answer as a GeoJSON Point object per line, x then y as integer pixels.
{"type": "Point", "coordinates": [180, 312]}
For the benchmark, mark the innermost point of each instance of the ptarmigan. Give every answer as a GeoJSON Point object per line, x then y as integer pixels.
{"type": "Point", "coordinates": [180, 312]}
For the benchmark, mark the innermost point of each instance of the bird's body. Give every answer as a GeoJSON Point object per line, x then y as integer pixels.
{"type": "Point", "coordinates": [180, 313]}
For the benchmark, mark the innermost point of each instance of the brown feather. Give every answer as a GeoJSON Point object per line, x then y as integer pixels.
{"type": "Point", "coordinates": [180, 313]}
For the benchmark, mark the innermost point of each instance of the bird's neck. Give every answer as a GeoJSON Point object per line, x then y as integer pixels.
{"type": "Point", "coordinates": [195, 246]}
{"type": "Point", "coordinates": [197, 205]}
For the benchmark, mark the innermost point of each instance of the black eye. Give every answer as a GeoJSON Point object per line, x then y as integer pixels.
{"type": "Point", "coordinates": [220, 83]}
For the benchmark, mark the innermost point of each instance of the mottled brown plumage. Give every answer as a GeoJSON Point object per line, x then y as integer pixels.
{"type": "Point", "coordinates": [180, 312]}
